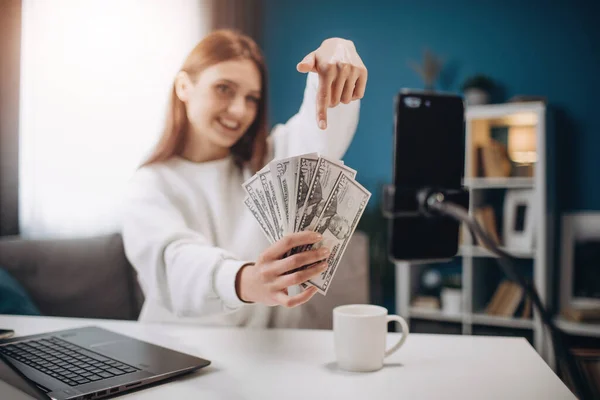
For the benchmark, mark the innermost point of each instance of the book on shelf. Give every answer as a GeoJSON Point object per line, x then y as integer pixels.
{"type": "Point", "coordinates": [486, 218]}
{"type": "Point", "coordinates": [509, 300]}
{"type": "Point", "coordinates": [581, 314]}
{"type": "Point", "coordinates": [588, 362]}
{"type": "Point", "coordinates": [493, 161]}
{"type": "Point", "coordinates": [527, 308]}
{"type": "Point", "coordinates": [426, 302]}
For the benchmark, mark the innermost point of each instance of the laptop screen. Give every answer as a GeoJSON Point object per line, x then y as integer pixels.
{"type": "Point", "coordinates": [14, 385]}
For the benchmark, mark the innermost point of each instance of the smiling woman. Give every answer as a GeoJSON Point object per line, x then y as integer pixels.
{"type": "Point", "coordinates": [199, 254]}
{"type": "Point", "coordinates": [232, 91]}
{"type": "Point", "coordinates": [218, 96]}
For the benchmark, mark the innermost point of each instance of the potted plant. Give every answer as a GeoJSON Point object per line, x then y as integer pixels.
{"type": "Point", "coordinates": [477, 89]}
{"type": "Point", "coordinates": [429, 70]}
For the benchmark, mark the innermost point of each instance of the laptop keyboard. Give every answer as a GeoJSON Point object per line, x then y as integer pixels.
{"type": "Point", "coordinates": [64, 361]}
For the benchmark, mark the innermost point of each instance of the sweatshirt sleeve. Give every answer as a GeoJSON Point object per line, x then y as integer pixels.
{"type": "Point", "coordinates": [175, 264]}
{"type": "Point", "coordinates": [300, 134]}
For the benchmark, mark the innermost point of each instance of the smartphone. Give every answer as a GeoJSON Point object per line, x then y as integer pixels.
{"type": "Point", "coordinates": [6, 333]}
{"type": "Point", "coordinates": [429, 151]}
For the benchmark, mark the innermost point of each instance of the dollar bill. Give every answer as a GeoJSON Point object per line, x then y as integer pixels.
{"type": "Point", "coordinates": [263, 226]}
{"type": "Point", "coordinates": [337, 223]}
{"type": "Point", "coordinates": [321, 187]}
{"type": "Point", "coordinates": [281, 176]}
{"type": "Point", "coordinates": [304, 174]}
{"type": "Point", "coordinates": [255, 191]}
{"type": "Point", "coordinates": [273, 206]}
{"type": "Point", "coordinates": [284, 173]}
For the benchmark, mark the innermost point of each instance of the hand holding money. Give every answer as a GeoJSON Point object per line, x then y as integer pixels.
{"type": "Point", "coordinates": [267, 280]}
{"type": "Point", "coordinates": [308, 193]}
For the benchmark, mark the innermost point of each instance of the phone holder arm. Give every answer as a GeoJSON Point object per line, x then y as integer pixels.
{"type": "Point", "coordinates": [415, 200]}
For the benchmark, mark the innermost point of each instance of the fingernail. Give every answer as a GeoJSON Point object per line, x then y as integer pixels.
{"type": "Point", "coordinates": [317, 236]}
{"type": "Point", "coordinates": [322, 124]}
{"type": "Point", "coordinates": [324, 252]}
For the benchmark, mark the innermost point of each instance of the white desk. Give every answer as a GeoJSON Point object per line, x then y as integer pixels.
{"type": "Point", "coordinates": [300, 364]}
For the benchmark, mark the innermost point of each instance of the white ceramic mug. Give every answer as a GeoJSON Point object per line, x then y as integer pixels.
{"type": "Point", "coordinates": [360, 332]}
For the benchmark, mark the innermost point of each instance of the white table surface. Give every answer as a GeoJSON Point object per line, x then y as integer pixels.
{"type": "Point", "coordinates": [300, 364]}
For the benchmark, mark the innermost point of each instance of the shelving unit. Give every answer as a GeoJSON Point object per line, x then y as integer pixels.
{"type": "Point", "coordinates": [478, 265]}
{"type": "Point", "coordinates": [435, 315]}
{"type": "Point", "coordinates": [492, 320]}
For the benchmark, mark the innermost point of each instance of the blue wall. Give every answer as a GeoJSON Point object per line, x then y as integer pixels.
{"type": "Point", "coordinates": [548, 48]}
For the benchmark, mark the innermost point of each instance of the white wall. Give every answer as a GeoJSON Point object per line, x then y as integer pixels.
{"type": "Point", "coordinates": [95, 77]}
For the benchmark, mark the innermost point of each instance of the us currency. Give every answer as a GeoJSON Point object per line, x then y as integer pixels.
{"type": "Point", "coordinates": [273, 206]}
{"type": "Point", "coordinates": [304, 174]}
{"type": "Point", "coordinates": [326, 175]}
{"type": "Point", "coordinates": [337, 223]}
{"type": "Point", "coordinates": [255, 191]}
{"type": "Point", "coordinates": [282, 174]}
{"type": "Point", "coordinates": [263, 226]}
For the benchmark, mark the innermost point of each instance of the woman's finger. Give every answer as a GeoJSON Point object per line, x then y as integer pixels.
{"type": "Point", "coordinates": [348, 91]}
{"type": "Point", "coordinates": [361, 83]}
{"type": "Point", "coordinates": [343, 73]}
{"type": "Point", "coordinates": [287, 301]}
{"type": "Point", "coordinates": [301, 276]}
{"type": "Point", "coordinates": [282, 246]}
{"type": "Point", "coordinates": [299, 260]}
{"type": "Point", "coordinates": [307, 64]}
{"type": "Point", "coordinates": [326, 77]}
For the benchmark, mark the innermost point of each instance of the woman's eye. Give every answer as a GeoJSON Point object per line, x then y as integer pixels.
{"type": "Point", "coordinates": [224, 89]}
{"type": "Point", "coordinates": [253, 99]}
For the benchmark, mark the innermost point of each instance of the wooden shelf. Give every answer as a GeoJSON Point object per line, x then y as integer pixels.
{"type": "Point", "coordinates": [479, 251]}
{"type": "Point", "coordinates": [477, 318]}
{"type": "Point", "coordinates": [434, 315]}
{"type": "Point", "coordinates": [498, 183]}
{"type": "Point", "coordinates": [578, 328]}
{"type": "Point", "coordinates": [494, 111]}
{"type": "Point", "coordinates": [494, 320]}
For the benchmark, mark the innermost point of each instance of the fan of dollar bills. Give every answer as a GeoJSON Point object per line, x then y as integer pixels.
{"type": "Point", "coordinates": [308, 193]}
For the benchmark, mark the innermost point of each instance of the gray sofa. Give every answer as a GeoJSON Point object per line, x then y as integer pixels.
{"type": "Point", "coordinates": [92, 278]}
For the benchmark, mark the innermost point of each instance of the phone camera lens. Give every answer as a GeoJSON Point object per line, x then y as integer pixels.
{"type": "Point", "coordinates": [412, 102]}
{"type": "Point", "coordinates": [427, 103]}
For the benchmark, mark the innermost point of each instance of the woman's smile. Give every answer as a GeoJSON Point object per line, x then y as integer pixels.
{"type": "Point", "coordinates": [228, 126]}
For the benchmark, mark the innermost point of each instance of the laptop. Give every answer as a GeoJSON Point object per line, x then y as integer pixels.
{"type": "Point", "coordinates": [87, 363]}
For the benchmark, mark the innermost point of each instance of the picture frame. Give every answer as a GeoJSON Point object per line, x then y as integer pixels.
{"type": "Point", "coordinates": [576, 228]}
{"type": "Point", "coordinates": [519, 220]}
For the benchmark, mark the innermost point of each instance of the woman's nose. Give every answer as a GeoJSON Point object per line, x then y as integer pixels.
{"type": "Point", "coordinates": [237, 107]}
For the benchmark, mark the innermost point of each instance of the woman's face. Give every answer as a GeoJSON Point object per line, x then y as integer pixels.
{"type": "Point", "coordinates": [221, 103]}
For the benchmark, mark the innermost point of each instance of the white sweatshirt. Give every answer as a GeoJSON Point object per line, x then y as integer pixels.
{"type": "Point", "coordinates": [187, 231]}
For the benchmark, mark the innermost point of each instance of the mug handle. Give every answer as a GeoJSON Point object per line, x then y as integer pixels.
{"type": "Point", "coordinates": [404, 326]}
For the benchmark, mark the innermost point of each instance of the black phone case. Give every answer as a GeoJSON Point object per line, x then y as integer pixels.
{"type": "Point", "coordinates": [414, 237]}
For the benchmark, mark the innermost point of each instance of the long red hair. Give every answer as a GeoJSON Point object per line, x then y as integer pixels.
{"type": "Point", "coordinates": [219, 46]}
